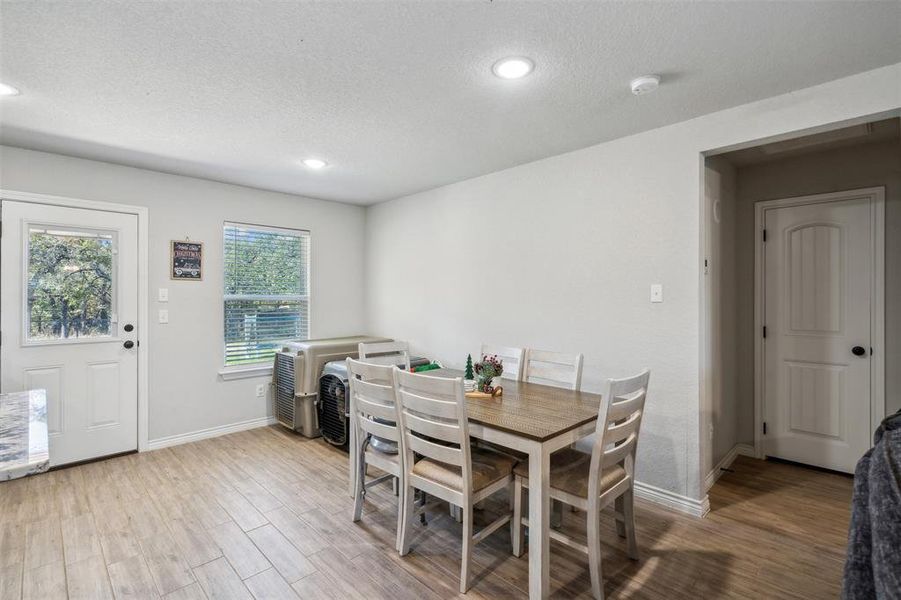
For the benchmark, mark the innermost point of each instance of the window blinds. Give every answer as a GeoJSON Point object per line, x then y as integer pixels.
{"type": "Point", "coordinates": [267, 294]}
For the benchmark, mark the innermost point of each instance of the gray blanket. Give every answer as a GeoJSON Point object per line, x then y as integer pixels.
{"type": "Point", "coordinates": [873, 569]}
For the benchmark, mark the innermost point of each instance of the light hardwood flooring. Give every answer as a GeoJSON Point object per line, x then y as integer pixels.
{"type": "Point", "coordinates": [265, 514]}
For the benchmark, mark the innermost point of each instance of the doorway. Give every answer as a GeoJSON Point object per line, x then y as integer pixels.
{"type": "Point", "coordinates": [818, 308]}
{"type": "Point", "coordinates": [70, 316]}
{"type": "Point", "coordinates": [771, 181]}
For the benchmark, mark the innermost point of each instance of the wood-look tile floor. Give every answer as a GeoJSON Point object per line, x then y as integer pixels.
{"type": "Point", "coordinates": [266, 514]}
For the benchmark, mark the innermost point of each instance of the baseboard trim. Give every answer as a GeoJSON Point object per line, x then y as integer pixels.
{"type": "Point", "coordinates": [202, 434]}
{"type": "Point", "coordinates": [677, 502]}
{"type": "Point", "coordinates": [726, 462]}
{"type": "Point", "coordinates": [717, 470]}
{"type": "Point", "coordinates": [746, 450]}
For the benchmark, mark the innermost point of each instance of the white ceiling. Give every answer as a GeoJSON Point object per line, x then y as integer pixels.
{"type": "Point", "coordinates": [398, 96]}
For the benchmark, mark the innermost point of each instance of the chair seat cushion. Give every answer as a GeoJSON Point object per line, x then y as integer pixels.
{"type": "Point", "coordinates": [487, 467]}
{"type": "Point", "coordinates": [569, 473]}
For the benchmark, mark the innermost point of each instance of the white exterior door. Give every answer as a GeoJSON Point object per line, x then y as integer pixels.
{"type": "Point", "coordinates": [69, 304]}
{"type": "Point", "coordinates": [818, 282]}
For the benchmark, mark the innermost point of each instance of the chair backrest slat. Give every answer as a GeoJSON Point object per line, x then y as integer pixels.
{"type": "Point", "coordinates": [375, 390]}
{"type": "Point", "coordinates": [445, 454]}
{"type": "Point", "coordinates": [380, 430]}
{"type": "Point", "coordinates": [442, 431]}
{"type": "Point", "coordinates": [371, 396]}
{"type": "Point", "coordinates": [433, 407]}
{"type": "Point", "coordinates": [618, 454]}
{"type": "Point", "coordinates": [553, 368]}
{"type": "Point", "coordinates": [620, 409]}
{"type": "Point", "coordinates": [376, 409]}
{"type": "Point", "coordinates": [385, 353]}
{"type": "Point", "coordinates": [430, 406]}
{"type": "Point", "coordinates": [513, 359]}
{"type": "Point", "coordinates": [619, 423]}
{"type": "Point", "coordinates": [620, 430]}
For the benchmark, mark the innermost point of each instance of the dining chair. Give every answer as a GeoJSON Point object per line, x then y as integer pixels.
{"type": "Point", "coordinates": [511, 357]}
{"type": "Point", "coordinates": [431, 414]}
{"type": "Point", "coordinates": [385, 353]}
{"type": "Point", "coordinates": [592, 482]}
{"type": "Point", "coordinates": [373, 414]}
{"type": "Point", "coordinates": [553, 368]}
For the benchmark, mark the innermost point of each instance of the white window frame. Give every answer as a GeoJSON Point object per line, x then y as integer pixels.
{"type": "Point", "coordinates": [262, 368]}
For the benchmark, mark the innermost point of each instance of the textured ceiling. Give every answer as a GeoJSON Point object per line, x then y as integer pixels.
{"type": "Point", "coordinates": [398, 96]}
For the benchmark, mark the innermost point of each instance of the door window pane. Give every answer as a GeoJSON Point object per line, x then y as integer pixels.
{"type": "Point", "coordinates": [70, 284]}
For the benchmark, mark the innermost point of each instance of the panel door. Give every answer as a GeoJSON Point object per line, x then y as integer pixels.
{"type": "Point", "coordinates": [68, 317]}
{"type": "Point", "coordinates": [818, 270]}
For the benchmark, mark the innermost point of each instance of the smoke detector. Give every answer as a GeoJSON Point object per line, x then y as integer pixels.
{"type": "Point", "coordinates": [645, 84]}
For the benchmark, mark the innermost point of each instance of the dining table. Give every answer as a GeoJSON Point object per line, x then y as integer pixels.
{"type": "Point", "coordinates": [536, 420]}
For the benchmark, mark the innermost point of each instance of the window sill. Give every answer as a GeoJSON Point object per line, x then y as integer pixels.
{"type": "Point", "coordinates": [232, 373]}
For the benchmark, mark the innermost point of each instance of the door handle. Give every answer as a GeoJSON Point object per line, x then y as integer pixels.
{"type": "Point", "coordinates": [129, 344]}
{"type": "Point", "coordinates": [858, 351]}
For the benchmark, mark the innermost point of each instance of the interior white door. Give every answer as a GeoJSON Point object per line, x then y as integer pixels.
{"type": "Point", "coordinates": [818, 287]}
{"type": "Point", "coordinates": [69, 304]}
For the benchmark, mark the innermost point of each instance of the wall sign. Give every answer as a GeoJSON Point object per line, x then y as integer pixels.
{"type": "Point", "coordinates": [187, 261]}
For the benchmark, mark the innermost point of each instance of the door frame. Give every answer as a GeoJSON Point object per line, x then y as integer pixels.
{"type": "Point", "coordinates": [143, 284]}
{"type": "Point", "coordinates": [876, 195]}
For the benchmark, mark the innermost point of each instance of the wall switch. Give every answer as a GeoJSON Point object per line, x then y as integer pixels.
{"type": "Point", "coordinates": [656, 292]}
{"type": "Point", "coordinates": [164, 295]}
{"type": "Point", "coordinates": [261, 390]}
{"type": "Point", "coordinates": [164, 316]}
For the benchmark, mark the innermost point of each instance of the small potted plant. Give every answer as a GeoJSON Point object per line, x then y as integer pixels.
{"type": "Point", "coordinates": [486, 370]}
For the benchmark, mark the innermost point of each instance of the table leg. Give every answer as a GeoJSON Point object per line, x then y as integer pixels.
{"type": "Point", "coordinates": [539, 522]}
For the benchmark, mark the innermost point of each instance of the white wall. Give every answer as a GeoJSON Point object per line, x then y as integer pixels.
{"type": "Point", "coordinates": [559, 254]}
{"type": "Point", "coordinates": [722, 323]}
{"type": "Point", "coordinates": [859, 166]}
{"type": "Point", "coordinates": [186, 394]}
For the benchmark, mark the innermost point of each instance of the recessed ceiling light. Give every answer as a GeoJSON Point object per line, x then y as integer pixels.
{"type": "Point", "coordinates": [314, 163]}
{"type": "Point", "coordinates": [514, 67]}
{"type": "Point", "coordinates": [644, 84]}
{"type": "Point", "coordinates": [8, 90]}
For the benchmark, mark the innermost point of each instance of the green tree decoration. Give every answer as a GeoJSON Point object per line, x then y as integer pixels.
{"type": "Point", "coordinates": [469, 374]}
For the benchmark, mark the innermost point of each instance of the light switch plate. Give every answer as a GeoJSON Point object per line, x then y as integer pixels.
{"type": "Point", "coordinates": [656, 292]}
{"type": "Point", "coordinates": [164, 316]}
{"type": "Point", "coordinates": [164, 295]}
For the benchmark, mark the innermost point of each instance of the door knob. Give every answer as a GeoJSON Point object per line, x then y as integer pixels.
{"type": "Point", "coordinates": [129, 327]}
{"type": "Point", "coordinates": [129, 344]}
{"type": "Point", "coordinates": [858, 351]}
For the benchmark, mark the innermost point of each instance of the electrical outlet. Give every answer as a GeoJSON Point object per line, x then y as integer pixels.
{"type": "Point", "coordinates": [164, 315]}
{"type": "Point", "coordinates": [656, 292]}
{"type": "Point", "coordinates": [261, 390]}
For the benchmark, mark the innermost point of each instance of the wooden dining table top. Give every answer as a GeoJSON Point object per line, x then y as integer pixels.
{"type": "Point", "coordinates": [538, 412]}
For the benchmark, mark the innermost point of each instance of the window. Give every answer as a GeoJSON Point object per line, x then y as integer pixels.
{"type": "Point", "coordinates": [70, 290]}
{"type": "Point", "coordinates": [267, 290]}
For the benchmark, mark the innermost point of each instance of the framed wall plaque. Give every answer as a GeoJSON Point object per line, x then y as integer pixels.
{"type": "Point", "coordinates": [186, 261]}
